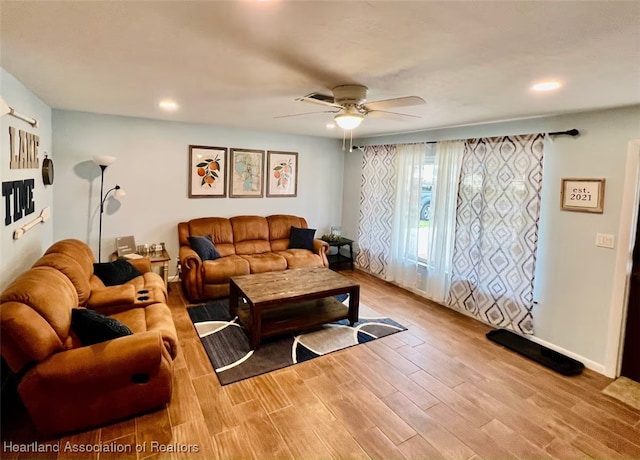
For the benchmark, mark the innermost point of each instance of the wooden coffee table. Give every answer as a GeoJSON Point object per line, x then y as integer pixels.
{"type": "Point", "coordinates": [291, 300]}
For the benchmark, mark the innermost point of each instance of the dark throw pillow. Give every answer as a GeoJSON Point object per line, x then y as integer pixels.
{"type": "Point", "coordinates": [116, 272]}
{"type": "Point", "coordinates": [93, 327]}
{"type": "Point", "coordinates": [301, 238]}
{"type": "Point", "coordinates": [204, 247]}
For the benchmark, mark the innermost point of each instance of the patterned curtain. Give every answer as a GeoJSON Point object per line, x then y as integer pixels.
{"type": "Point", "coordinates": [377, 197]}
{"type": "Point", "coordinates": [497, 230]}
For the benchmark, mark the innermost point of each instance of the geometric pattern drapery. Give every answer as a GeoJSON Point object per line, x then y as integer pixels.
{"type": "Point", "coordinates": [377, 197]}
{"type": "Point", "coordinates": [497, 230]}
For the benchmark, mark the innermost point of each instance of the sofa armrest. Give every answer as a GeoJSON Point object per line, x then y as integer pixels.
{"type": "Point", "coordinates": [91, 386]}
{"type": "Point", "coordinates": [112, 295]}
{"type": "Point", "coordinates": [321, 248]}
{"type": "Point", "coordinates": [191, 266]}
{"type": "Point", "coordinates": [189, 259]}
{"type": "Point", "coordinates": [103, 363]}
{"type": "Point", "coordinates": [143, 265]}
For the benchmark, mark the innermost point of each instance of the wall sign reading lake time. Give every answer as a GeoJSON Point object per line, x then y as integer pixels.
{"type": "Point", "coordinates": [583, 195]}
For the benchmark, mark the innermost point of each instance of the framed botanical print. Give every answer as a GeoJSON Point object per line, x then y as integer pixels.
{"type": "Point", "coordinates": [282, 174]}
{"type": "Point", "coordinates": [247, 173]}
{"type": "Point", "coordinates": [207, 172]}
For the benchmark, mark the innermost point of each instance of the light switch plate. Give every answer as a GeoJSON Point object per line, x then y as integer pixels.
{"type": "Point", "coordinates": [605, 240]}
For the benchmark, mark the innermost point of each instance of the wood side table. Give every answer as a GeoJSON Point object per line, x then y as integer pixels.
{"type": "Point", "coordinates": [335, 260]}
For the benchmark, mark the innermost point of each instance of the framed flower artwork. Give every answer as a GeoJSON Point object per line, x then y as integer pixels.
{"type": "Point", "coordinates": [207, 172]}
{"type": "Point", "coordinates": [282, 174]}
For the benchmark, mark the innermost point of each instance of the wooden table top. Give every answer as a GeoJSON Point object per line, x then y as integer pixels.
{"type": "Point", "coordinates": [299, 283]}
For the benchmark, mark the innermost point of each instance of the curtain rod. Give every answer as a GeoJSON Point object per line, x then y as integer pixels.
{"type": "Point", "coordinates": [570, 132]}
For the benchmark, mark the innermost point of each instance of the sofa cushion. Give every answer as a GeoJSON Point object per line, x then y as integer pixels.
{"type": "Point", "coordinates": [302, 238]}
{"type": "Point", "coordinates": [50, 294]}
{"type": "Point", "coordinates": [93, 327]}
{"type": "Point", "coordinates": [116, 272]}
{"type": "Point", "coordinates": [72, 269]}
{"type": "Point", "coordinates": [154, 317]}
{"type": "Point", "coordinates": [266, 262]}
{"type": "Point", "coordinates": [280, 229]}
{"type": "Point", "coordinates": [250, 234]}
{"type": "Point", "coordinates": [220, 270]}
{"type": "Point", "coordinates": [204, 247]}
{"type": "Point", "coordinates": [77, 249]}
{"type": "Point", "coordinates": [301, 258]}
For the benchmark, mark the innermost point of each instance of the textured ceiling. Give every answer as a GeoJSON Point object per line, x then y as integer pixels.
{"type": "Point", "coordinates": [242, 63]}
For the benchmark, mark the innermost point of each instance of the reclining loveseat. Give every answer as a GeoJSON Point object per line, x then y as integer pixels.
{"type": "Point", "coordinates": [65, 384]}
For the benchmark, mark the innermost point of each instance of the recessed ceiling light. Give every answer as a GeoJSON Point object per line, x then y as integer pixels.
{"type": "Point", "coordinates": [168, 104]}
{"type": "Point", "coordinates": [546, 86]}
{"type": "Point", "coordinates": [331, 125]}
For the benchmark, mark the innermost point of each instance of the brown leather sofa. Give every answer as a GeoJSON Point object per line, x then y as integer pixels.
{"type": "Point", "coordinates": [247, 244]}
{"type": "Point", "coordinates": [66, 386]}
{"type": "Point", "coordinates": [75, 259]}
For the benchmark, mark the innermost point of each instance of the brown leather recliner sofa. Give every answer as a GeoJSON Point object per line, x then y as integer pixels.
{"type": "Point", "coordinates": [75, 259]}
{"type": "Point", "coordinates": [64, 385]}
{"type": "Point", "coordinates": [247, 244]}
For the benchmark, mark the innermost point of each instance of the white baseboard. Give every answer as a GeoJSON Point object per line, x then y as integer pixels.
{"type": "Point", "coordinates": [597, 367]}
{"type": "Point", "coordinates": [589, 364]}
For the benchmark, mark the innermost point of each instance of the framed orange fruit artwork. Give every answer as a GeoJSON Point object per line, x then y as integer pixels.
{"type": "Point", "coordinates": [207, 172]}
{"type": "Point", "coordinates": [282, 170]}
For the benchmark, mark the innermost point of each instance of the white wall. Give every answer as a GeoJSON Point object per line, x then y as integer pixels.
{"type": "Point", "coordinates": [574, 278]}
{"type": "Point", "coordinates": [16, 256]}
{"type": "Point", "coordinates": [152, 167]}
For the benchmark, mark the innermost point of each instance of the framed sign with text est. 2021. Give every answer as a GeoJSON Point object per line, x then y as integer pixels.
{"type": "Point", "coordinates": [582, 195]}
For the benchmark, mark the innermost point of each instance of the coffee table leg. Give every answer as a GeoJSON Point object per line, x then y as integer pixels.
{"type": "Point", "coordinates": [256, 326]}
{"type": "Point", "coordinates": [354, 304]}
{"type": "Point", "coordinates": [233, 299]}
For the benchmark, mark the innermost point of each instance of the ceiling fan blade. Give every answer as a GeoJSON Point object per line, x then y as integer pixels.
{"type": "Point", "coordinates": [306, 113]}
{"type": "Point", "coordinates": [321, 99]}
{"type": "Point", "coordinates": [397, 102]}
{"type": "Point", "coordinates": [390, 115]}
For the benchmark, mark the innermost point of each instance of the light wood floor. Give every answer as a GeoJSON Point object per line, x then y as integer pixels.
{"type": "Point", "coordinates": [438, 390]}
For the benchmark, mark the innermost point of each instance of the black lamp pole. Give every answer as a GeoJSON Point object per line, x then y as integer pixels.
{"type": "Point", "coordinates": [103, 198]}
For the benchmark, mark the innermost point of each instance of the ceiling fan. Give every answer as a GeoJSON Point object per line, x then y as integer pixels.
{"type": "Point", "coordinates": [349, 102]}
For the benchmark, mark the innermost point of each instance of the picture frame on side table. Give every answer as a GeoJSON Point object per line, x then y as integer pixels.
{"type": "Point", "coordinates": [247, 173]}
{"type": "Point", "coordinates": [282, 174]}
{"type": "Point", "coordinates": [582, 195]}
{"type": "Point", "coordinates": [207, 172]}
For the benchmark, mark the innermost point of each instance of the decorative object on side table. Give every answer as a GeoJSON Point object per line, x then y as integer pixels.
{"type": "Point", "coordinates": [158, 258]}
{"type": "Point", "coordinates": [330, 238]}
{"type": "Point", "coordinates": [103, 161]}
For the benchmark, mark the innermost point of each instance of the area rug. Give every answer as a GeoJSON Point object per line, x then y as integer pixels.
{"type": "Point", "coordinates": [625, 390]}
{"type": "Point", "coordinates": [227, 345]}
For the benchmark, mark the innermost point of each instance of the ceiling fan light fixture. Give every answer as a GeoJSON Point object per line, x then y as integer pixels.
{"type": "Point", "coordinates": [348, 120]}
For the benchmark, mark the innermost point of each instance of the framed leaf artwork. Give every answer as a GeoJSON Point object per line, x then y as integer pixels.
{"type": "Point", "coordinates": [282, 169]}
{"type": "Point", "coordinates": [247, 173]}
{"type": "Point", "coordinates": [207, 172]}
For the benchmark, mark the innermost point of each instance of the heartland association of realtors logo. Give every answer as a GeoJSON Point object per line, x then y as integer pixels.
{"type": "Point", "coordinates": [110, 447]}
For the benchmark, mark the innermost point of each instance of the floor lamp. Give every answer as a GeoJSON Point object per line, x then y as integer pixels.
{"type": "Point", "coordinates": [103, 161]}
